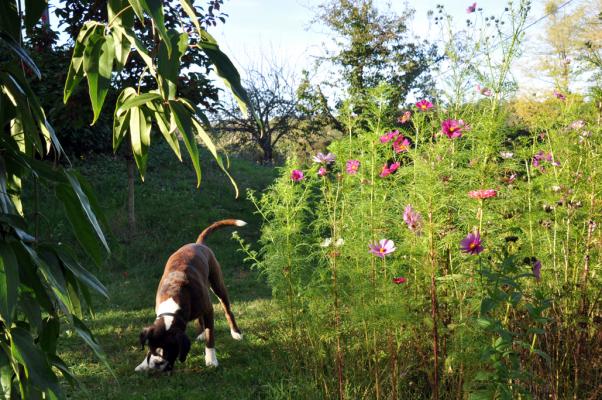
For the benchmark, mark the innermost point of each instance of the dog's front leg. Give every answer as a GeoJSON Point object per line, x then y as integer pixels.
{"type": "Point", "coordinates": [210, 354]}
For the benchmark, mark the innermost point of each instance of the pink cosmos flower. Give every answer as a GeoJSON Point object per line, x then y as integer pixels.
{"type": "Point", "coordinates": [578, 124]}
{"type": "Point", "coordinates": [412, 218]}
{"type": "Point", "coordinates": [382, 248]}
{"type": "Point", "coordinates": [399, 280]}
{"type": "Point", "coordinates": [482, 194]}
{"type": "Point", "coordinates": [405, 117]}
{"type": "Point", "coordinates": [485, 91]}
{"type": "Point", "coordinates": [542, 156]}
{"type": "Point", "coordinates": [536, 269]}
{"type": "Point", "coordinates": [424, 105]}
{"type": "Point", "coordinates": [352, 167]}
{"type": "Point", "coordinates": [453, 128]}
{"type": "Point", "coordinates": [389, 169]}
{"type": "Point", "coordinates": [471, 244]}
{"type": "Point", "coordinates": [559, 95]}
{"type": "Point", "coordinates": [387, 137]}
{"type": "Point", "coordinates": [472, 8]}
{"type": "Point", "coordinates": [401, 144]}
{"type": "Point", "coordinates": [324, 159]}
{"type": "Point", "coordinates": [322, 171]}
{"type": "Point", "coordinates": [296, 175]}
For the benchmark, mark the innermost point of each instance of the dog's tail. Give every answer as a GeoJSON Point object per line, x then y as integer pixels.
{"type": "Point", "coordinates": [217, 225]}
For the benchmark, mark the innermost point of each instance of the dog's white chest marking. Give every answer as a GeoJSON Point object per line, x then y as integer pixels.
{"type": "Point", "coordinates": [167, 306]}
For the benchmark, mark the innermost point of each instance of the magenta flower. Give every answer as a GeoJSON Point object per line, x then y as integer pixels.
{"type": "Point", "coordinates": [405, 117]}
{"type": "Point", "coordinates": [387, 137]}
{"type": "Point", "coordinates": [352, 167]}
{"type": "Point", "coordinates": [324, 159]}
{"type": "Point", "coordinates": [399, 280]}
{"type": "Point", "coordinates": [389, 169]}
{"type": "Point", "coordinates": [401, 144]}
{"type": "Point", "coordinates": [472, 8]}
{"type": "Point", "coordinates": [296, 175]}
{"type": "Point", "coordinates": [453, 128]}
{"type": "Point", "coordinates": [559, 95]}
{"type": "Point", "coordinates": [482, 194]}
{"type": "Point", "coordinates": [412, 218]}
{"type": "Point", "coordinates": [322, 171]}
{"type": "Point", "coordinates": [382, 248]}
{"type": "Point", "coordinates": [424, 105]}
{"type": "Point", "coordinates": [471, 244]}
{"type": "Point", "coordinates": [540, 157]}
{"type": "Point", "coordinates": [536, 269]}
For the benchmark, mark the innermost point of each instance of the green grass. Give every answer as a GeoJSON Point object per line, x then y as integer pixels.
{"type": "Point", "coordinates": [170, 212]}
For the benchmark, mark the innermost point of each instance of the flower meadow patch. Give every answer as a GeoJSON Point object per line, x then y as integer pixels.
{"type": "Point", "coordinates": [471, 250]}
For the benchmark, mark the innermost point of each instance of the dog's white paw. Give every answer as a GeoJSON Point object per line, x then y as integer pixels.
{"type": "Point", "coordinates": [201, 337]}
{"type": "Point", "coordinates": [210, 357]}
{"type": "Point", "coordinates": [236, 335]}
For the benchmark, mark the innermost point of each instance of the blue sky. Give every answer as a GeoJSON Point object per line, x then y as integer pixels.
{"type": "Point", "coordinates": [255, 28]}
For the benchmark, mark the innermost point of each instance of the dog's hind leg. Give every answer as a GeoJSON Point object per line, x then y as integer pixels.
{"type": "Point", "coordinates": [219, 288]}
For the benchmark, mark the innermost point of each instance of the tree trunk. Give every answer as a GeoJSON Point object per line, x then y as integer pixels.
{"type": "Point", "coordinates": [266, 146]}
{"type": "Point", "coordinates": [131, 196]}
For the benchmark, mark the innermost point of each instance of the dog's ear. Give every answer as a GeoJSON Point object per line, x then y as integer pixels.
{"type": "Point", "coordinates": [184, 346]}
{"type": "Point", "coordinates": [146, 332]}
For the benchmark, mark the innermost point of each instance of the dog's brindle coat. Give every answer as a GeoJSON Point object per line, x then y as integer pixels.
{"type": "Point", "coordinates": [183, 296]}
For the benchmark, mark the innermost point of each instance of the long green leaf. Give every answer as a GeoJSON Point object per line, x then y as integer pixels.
{"type": "Point", "coordinates": [183, 119]}
{"type": "Point", "coordinates": [140, 128]}
{"type": "Point", "coordinates": [137, 7]}
{"type": "Point", "coordinates": [19, 51]}
{"type": "Point", "coordinates": [190, 11]}
{"type": "Point", "coordinates": [84, 232]}
{"type": "Point", "coordinates": [213, 150]}
{"type": "Point", "coordinates": [155, 9]}
{"type": "Point", "coordinates": [121, 118]}
{"type": "Point", "coordinates": [169, 63]}
{"type": "Point", "coordinates": [227, 71]}
{"type": "Point", "coordinates": [76, 72]}
{"type": "Point", "coordinates": [98, 66]}
{"type": "Point", "coordinates": [85, 205]}
{"type": "Point", "coordinates": [9, 282]}
{"type": "Point", "coordinates": [167, 129]}
{"type": "Point", "coordinates": [6, 375]}
{"type": "Point", "coordinates": [83, 275]}
{"type": "Point", "coordinates": [83, 331]}
{"type": "Point", "coordinates": [138, 100]}
{"type": "Point", "coordinates": [33, 359]}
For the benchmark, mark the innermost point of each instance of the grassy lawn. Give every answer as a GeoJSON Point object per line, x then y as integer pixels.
{"type": "Point", "coordinates": [170, 212]}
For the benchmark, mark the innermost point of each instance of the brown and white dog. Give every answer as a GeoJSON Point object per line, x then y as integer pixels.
{"type": "Point", "coordinates": [183, 296]}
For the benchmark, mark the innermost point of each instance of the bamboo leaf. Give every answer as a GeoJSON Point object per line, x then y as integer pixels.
{"type": "Point", "coordinates": [76, 72]}
{"type": "Point", "coordinates": [183, 119]}
{"type": "Point", "coordinates": [83, 275]}
{"type": "Point", "coordinates": [155, 9]}
{"type": "Point", "coordinates": [83, 331]}
{"type": "Point", "coordinates": [138, 100]}
{"type": "Point", "coordinates": [33, 360]}
{"type": "Point", "coordinates": [9, 282]}
{"type": "Point", "coordinates": [140, 128]}
{"type": "Point", "coordinates": [98, 66]}
{"type": "Point", "coordinates": [213, 150]}
{"type": "Point", "coordinates": [227, 71]}
{"type": "Point", "coordinates": [121, 118]}
{"type": "Point", "coordinates": [21, 53]}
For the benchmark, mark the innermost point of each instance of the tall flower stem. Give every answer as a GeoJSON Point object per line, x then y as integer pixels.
{"type": "Point", "coordinates": [434, 311]}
